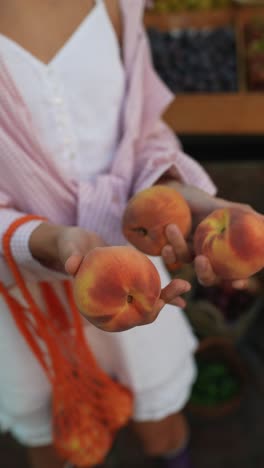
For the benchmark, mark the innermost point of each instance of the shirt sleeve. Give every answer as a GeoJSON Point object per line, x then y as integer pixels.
{"type": "Point", "coordinates": [31, 269]}
{"type": "Point", "coordinates": [161, 154]}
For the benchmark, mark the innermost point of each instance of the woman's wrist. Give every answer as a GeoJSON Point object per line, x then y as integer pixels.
{"type": "Point", "coordinates": [189, 192]}
{"type": "Point", "coordinates": [171, 182]}
{"type": "Point", "coordinates": [43, 244]}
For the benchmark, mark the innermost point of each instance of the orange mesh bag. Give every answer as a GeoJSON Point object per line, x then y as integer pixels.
{"type": "Point", "coordinates": [88, 406]}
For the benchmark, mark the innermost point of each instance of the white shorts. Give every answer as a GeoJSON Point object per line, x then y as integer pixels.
{"type": "Point", "coordinates": [155, 361]}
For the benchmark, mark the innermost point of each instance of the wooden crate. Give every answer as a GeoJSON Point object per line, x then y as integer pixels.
{"type": "Point", "coordinates": [224, 113]}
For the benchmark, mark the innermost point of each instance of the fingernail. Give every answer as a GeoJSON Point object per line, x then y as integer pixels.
{"type": "Point", "coordinates": [203, 264]}
{"type": "Point", "coordinates": [167, 249]}
{"type": "Point", "coordinates": [172, 229]}
{"type": "Point", "coordinates": [240, 284]}
{"type": "Point", "coordinates": [201, 282]}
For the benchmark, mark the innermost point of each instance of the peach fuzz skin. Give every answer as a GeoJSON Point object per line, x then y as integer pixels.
{"type": "Point", "coordinates": [149, 212]}
{"type": "Point", "coordinates": [71, 448]}
{"type": "Point", "coordinates": [116, 288]}
{"type": "Point", "coordinates": [233, 241]}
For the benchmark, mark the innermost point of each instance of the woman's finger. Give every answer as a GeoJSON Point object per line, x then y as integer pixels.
{"type": "Point", "coordinates": [171, 295]}
{"type": "Point", "coordinates": [156, 310]}
{"type": "Point", "coordinates": [178, 243]}
{"type": "Point", "coordinates": [72, 264]}
{"type": "Point", "coordinates": [175, 288]}
{"type": "Point", "coordinates": [204, 271]}
{"type": "Point", "coordinates": [179, 302]}
{"type": "Point", "coordinates": [240, 284]}
{"type": "Point", "coordinates": [168, 255]}
{"type": "Point", "coordinates": [207, 277]}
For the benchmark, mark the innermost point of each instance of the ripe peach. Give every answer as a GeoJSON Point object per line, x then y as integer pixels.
{"type": "Point", "coordinates": [116, 288]}
{"type": "Point", "coordinates": [233, 241]}
{"type": "Point", "coordinates": [85, 443]}
{"type": "Point", "coordinates": [149, 212]}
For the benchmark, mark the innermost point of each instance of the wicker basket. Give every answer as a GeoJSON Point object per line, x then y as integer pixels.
{"type": "Point", "coordinates": [223, 349]}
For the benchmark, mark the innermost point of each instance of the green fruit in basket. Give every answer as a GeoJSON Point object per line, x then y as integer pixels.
{"type": "Point", "coordinates": [215, 384]}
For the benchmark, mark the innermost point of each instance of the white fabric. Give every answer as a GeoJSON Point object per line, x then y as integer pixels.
{"type": "Point", "coordinates": [155, 361]}
{"type": "Point", "coordinates": [56, 93]}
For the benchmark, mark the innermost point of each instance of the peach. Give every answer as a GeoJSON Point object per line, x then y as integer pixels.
{"type": "Point", "coordinates": [149, 212]}
{"type": "Point", "coordinates": [84, 444]}
{"type": "Point", "coordinates": [116, 288]}
{"type": "Point", "coordinates": [233, 241]}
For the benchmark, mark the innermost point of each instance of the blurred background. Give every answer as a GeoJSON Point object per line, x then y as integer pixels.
{"type": "Point", "coordinates": [211, 55]}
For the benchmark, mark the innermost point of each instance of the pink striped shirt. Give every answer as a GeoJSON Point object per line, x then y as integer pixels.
{"type": "Point", "coordinates": [31, 182]}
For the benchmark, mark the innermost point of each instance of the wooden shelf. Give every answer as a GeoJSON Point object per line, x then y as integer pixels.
{"type": "Point", "coordinates": [196, 19]}
{"type": "Point", "coordinates": [225, 113]}
{"type": "Point", "coordinates": [233, 114]}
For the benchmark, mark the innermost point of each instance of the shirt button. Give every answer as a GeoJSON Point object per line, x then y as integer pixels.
{"type": "Point", "coordinates": [61, 120]}
{"type": "Point", "coordinates": [58, 100]}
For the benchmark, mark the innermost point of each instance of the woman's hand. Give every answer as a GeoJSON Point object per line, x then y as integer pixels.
{"type": "Point", "coordinates": [62, 248]}
{"type": "Point", "coordinates": [171, 294]}
{"type": "Point", "coordinates": [180, 250]}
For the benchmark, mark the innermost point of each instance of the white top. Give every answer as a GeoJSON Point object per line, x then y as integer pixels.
{"type": "Point", "coordinates": [68, 99]}
{"type": "Point", "coordinates": [69, 96]}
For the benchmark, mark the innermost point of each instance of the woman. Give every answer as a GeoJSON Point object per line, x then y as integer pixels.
{"type": "Point", "coordinates": [81, 132]}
